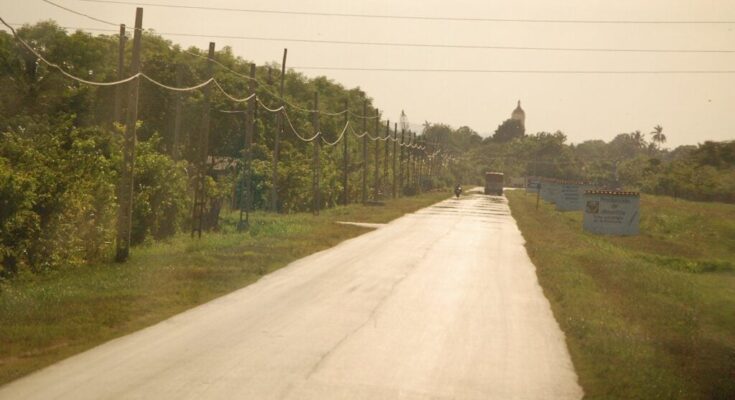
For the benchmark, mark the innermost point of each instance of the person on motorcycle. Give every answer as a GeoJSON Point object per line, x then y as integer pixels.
{"type": "Point", "coordinates": [458, 190]}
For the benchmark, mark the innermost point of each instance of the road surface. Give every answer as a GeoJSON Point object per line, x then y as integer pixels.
{"type": "Point", "coordinates": [440, 304]}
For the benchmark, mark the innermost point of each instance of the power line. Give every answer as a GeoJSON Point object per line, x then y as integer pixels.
{"type": "Point", "coordinates": [428, 45]}
{"type": "Point", "coordinates": [514, 71]}
{"type": "Point", "coordinates": [79, 13]}
{"type": "Point", "coordinates": [408, 17]}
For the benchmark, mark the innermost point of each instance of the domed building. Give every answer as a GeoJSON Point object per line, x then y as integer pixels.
{"type": "Point", "coordinates": [519, 115]}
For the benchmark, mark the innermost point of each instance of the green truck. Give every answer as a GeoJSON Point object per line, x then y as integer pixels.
{"type": "Point", "coordinates": [494, 183]}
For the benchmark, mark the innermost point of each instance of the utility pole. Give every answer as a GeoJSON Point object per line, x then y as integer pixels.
{"type": "Point", "coordinates": [276, 148]}
{"type": "Point", "coordinates": [409, 151]}
{"type": "Point", "coordinates": [345, 158]}
{"type": "Point", "coordinates": [175, 146]}
{"type": "Point", "coordinates": [376, 177]}
{"type": "Point", "coordinates": [384, 180]}
{"type": "Point", "coordinates": [364, 152]}
{"type": "Point", "coordinates": [200, 195]}
{"type": "Point", "coordinates": [400, 166]}
{"type": "Point", "coordinates": [117, 112]}
{"type": "Point", "coordinates": [395, 152]}
{"type": "Point", "coordinates": [249, 131]}
{"type": "Point", "coordinates": [317, 145]}
{"type": "Point", "coordinates": [125, 194]}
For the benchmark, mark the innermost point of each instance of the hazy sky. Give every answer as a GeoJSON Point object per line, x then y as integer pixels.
{"type": "Point", "coordinates": [690, 107]}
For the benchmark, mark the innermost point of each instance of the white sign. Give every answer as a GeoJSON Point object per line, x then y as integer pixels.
{"type": "Point", "coordinates": [571, 196]}
{"type": "Point", "coordinates": [611, 213]}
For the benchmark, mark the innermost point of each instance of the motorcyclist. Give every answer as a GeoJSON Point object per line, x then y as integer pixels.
{"type": "Point", "coordinates": [458, 190]}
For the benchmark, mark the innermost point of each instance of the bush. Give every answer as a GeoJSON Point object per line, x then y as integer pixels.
{"type": "Point", "coordinates": [57, 196]}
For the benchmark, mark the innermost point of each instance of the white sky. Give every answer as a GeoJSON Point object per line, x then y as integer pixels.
{"type": "Point", "coordinates": [691, 108]}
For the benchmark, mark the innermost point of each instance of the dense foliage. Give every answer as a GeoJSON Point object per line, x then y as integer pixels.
{"type": "Point", "coordinates": [704, 172]}
{"type": "Point", "coordinates": [60, 152]}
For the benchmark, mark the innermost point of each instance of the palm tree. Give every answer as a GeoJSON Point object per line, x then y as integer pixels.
{"type": "Point", "coordinates": [657, 136]}
{"type": "Point", "coordinates": [639, 138]}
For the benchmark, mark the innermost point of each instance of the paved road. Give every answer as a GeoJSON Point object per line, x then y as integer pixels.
{"type": "Point", "coordinates": [440, 304]}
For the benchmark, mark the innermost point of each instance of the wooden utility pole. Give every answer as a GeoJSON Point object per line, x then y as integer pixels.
{"type": "Point", "coordinates": [175, 146]}
{"type": "Point", "coordinates": [249, 130]}
{"type": "Point", "coordinates": [276, 145]}
{"type": "Point", "coordinates": [125, 194]}
{"type": "Point", "coordinates": [364, 152]}
{"type": "Point", "coordinates": [119, 89]}
{"type": "Point", "coordinates": [376, 177]}
{"type": "Point", "coordinates": [345, 158]}
{"type": "Point", "coordinates": [316, 143]}
{"type": "Point", "coordinates": [400, 165]}
{"type": "Point", "coordinates": [384, 179]}
{"type": "Point", "coordinates": [421, 154]}
{"type": "Point", "coordinates": [200, 195]}
{"type": "Point", "coordinates": [409, 153]}
{"type": "Point", "coordinates": [395, 152]}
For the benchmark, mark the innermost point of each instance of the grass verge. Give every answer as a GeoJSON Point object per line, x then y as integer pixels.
{"type": "Point", "coordinates": [46, 318]}
{"type": "Point", "coordinates": [645, 317]}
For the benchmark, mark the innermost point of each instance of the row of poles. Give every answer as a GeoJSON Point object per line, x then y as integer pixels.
{"type": "Point", "coordinates": [410, 160]}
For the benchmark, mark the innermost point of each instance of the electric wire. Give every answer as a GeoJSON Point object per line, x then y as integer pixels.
{"type": "Point", "coordinates": [427, 45]}
{"type": "Point", "coordinates": [295, 132]}
{"type": "Point", "coordinates": [516, 71]}
{"type": "Point", "coordinates": [411, 17]}
{"type": "Point", "coordinates": [339, 139]}
{"type": "Point", "coordinates": [80, 13]}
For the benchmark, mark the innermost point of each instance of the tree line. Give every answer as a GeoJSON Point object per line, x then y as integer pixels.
{"type": "Point", "coordinates": [633, 160]}
{"type": "Point", "coordinates": [60, 151]}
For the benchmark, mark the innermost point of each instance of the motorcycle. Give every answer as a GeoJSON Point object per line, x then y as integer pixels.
{"type": "Point", "coordinates": [457, 191]}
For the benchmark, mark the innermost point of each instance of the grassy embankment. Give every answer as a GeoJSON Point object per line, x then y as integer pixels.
{"type": "Point", "coordinates": [645, 317]}
{"type": "Point", "coordinates": [47, 318]}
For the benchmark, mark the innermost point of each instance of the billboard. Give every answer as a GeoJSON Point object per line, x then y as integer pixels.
{"type": "Point", "coordinates": [611, 212]}
{"type": "Point", "coordinates": [571, 196]}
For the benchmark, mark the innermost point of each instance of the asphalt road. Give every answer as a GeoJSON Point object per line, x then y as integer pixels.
{"type": "Point", "coordinates": [440, 304]}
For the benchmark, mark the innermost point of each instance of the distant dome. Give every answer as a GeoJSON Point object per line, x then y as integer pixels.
{"type": "Point", "coordinates": [518, 114]}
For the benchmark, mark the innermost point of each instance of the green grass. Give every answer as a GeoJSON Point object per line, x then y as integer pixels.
{"type": "Point", "coordinates": [645, 317]}
{"type": "Point", "coordinates": [47, 318]}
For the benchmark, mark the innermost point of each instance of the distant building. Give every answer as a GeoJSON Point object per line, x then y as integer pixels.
{"type": "Point", "coordinates": [519, 115]}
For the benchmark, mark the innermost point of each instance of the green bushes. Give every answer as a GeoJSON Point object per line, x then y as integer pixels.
{"type": "Point", "coordinates": [56, 192]}
{"type": "Point", "coordinates": [57, 195]}
{"type": "Point", "coordinates": [160, 193]}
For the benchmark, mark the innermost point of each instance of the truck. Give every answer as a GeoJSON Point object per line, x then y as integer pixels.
{"type": "Point", "coordinates": [494, 183]}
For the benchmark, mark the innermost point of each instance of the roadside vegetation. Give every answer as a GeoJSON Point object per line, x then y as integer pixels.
{"type": "Point", "coordinates": [45, 317]}
{"type": "Point", "coordinates": [645, 317]}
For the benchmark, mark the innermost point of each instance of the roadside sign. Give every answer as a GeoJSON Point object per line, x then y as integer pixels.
{"type": "Point", "coordinates": [571, 195]}
{"type": "Point", "coordinates": [611, 212]}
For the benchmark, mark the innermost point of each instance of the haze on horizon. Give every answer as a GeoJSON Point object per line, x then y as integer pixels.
{"type": "Point", "coordinates": [692, 108]}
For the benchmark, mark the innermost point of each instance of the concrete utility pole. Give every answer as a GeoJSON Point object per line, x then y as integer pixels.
{"type": "Point", "coordinates": [249, 130]}
{"type": "Point", "coordinates": [119, 89]}
{"type": "Point", "coordinates": [175, 146]}
{"type": "Point", "coordinates": [376, 177]}
{"type": "Point", "coordinates": [395, 152]}
{"type": "Point", "coordinates": [384, 180]}
{"type": "Point", "coordinates": [125, 194]}
{"type": "Point", "coordinates": [200, 195]}
{"type": "Point", "coordinates": [364, 152]}
{"type": "Point", "coordinates": [345, 159]}
{"type": "Point", "coordinates": [317, 147]}
{"type": "Point", "coordinates": [276, 144]}
{"type": "Point", "coordinates": [400, 165]}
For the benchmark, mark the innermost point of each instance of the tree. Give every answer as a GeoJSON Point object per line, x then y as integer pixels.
{"type": "Point", "coordinates": [510, 129]}
{"type": "Point", "coordinates": [657, 136]}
